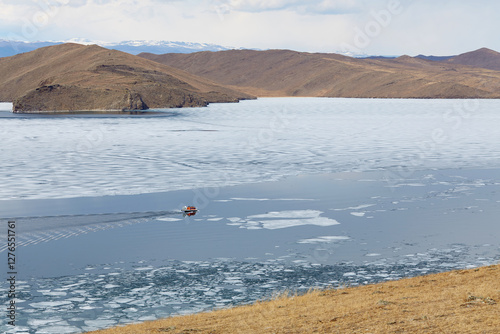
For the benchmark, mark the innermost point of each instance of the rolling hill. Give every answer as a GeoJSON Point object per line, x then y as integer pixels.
{"type": "Point", "coordinates": [290, 73]}
{"type": "Point", "coordinates": [71, 77]}
{"type": "Point", "coordinates": [484, 58]}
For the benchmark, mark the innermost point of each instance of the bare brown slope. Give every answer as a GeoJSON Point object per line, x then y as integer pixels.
{"type": "Point", "coordinates": [484, 58]}
{"type": "Point", "coordinates": [78, 77]}
{"type": "Point", "coordinates": [290, 73]}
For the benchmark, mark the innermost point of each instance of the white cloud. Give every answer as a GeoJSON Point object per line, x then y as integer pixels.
{"type": "Point", "coordinates": [423, 26]}
{"type": "Point", "coordinates": [321, 7]}
{"type": "Point", "coordinates": [259, 5]}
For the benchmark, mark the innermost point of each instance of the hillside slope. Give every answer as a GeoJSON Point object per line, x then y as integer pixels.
{"type": "Point", "coordinates": [71, 77]}
{"type": "Point", "coordinates": [484, 58]}
{"type": "Point", "coordinates": [290, 73]}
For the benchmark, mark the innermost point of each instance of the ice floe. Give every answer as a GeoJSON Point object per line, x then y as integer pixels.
{"type": "Point", "coordinates": [282, 219]}
{"type": "Point", "coordinates": [323, 239]}
{"type": "Point", "coordinates": [214, 219]}
{"type": "Point", "coordinates": [359, 207]}
{"type": "Point", "coordinates": [169, 219]}
{"type": "Point", "coordinates": [288, 214]}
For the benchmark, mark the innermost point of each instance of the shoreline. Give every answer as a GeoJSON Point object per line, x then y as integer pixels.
{"type": "Point", "coordinates": [459, 301]}
{"type": "Point", "coordinates": [152, 110]}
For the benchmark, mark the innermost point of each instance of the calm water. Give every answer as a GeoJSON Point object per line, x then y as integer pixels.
{"type": "Point", "coordinates": [294, 193]}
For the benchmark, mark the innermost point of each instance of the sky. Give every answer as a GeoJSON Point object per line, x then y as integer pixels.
{"type": "Point", "coordinates": [372, 27]}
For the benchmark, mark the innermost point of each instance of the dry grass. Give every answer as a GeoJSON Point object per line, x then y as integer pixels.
{"type": "Point", "coordinates": [464, 301]}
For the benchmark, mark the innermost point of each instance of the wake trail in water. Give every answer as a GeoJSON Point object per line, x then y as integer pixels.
{"type": "Point", "coordinates": [34, 230]}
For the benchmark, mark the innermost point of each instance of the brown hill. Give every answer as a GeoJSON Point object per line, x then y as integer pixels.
{"type": "Point", "coordinates": [484, 58]}
{"type": "Point", "coordinates": [76, 77]}
{"type": "Point", "coordinates": [290, 73]}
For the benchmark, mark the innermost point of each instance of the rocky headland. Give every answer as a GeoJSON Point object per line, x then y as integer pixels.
{"type": "Point", "coordinates": [73, 77]}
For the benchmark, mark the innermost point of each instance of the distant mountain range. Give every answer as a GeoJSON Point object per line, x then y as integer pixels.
{"type": "Point", "coordinates": [484, 58]}
{"type": "Point", "coordinates": [11, 48]}
{"type": "Point", "coordinates": [290, 73]}
{"type": "Point", "coordinates": [72, 77]}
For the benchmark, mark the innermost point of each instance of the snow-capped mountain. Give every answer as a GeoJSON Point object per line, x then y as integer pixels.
{"type": "Point", "coordinates": [160, 47]}
{"type": "Point", "coordinates": [10, 48]}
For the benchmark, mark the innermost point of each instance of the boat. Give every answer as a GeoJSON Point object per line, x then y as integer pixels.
{"type": "Point", "coordinates": [189, 210]}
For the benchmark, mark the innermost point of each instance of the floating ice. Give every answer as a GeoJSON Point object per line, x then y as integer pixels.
{"type": "Point", "coordinates": [50, 304]}
{"type": "Point", "coordinates": [100, 323]}
{"type": "Point", "coordinates": [294, 218]}
{"type": "Point", "coordinates": [277, 224]}
{"type": "Point", "coordinates": [359, 207]}
{"type": "Point", "coordinates": [58, 330]}
{"type": "Point", "coordinates": [136, 290]}
{"type": "Point", "coordinates": [55, 293]}
{"type": "Point", "coordinates": [358, 214]}
{"type": "Point", "coordinates": [263, 199]}
{"type": "Point", "coordinates": [42, 322]}
{"type": "Point", "coordinates": [406, 185]}
{"type": "Point", "coordinates": [288, 214]}
{"type": "Point", "coordinates": [168, 219]}
{"type": "Point", "coordinates": [250, 199]}
{"type": "Point", "coordinates": [324, 239]}
{"type": "Point", "coordinates": [144, 268]}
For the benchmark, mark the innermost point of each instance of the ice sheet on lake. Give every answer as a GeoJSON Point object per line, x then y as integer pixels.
{"type": "Point", "coordinates": [283, 219]}
{"type": "Point", "coordinates": [323, 239]}
{"type": "Point", "coordinates": [133, 155]}
{"type": "Point", "coordinates": [5, 106]}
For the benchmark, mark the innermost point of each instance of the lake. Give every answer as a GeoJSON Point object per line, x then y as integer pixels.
{"type": "Point", "coordinates": [293, 193]}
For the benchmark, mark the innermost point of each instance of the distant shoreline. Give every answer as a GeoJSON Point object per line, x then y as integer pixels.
{"type": "Point", "coordinates": [154, 110]}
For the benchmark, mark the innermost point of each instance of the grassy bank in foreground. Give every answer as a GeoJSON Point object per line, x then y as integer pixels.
{"type": "Point", "coordinates": [463, 301]}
